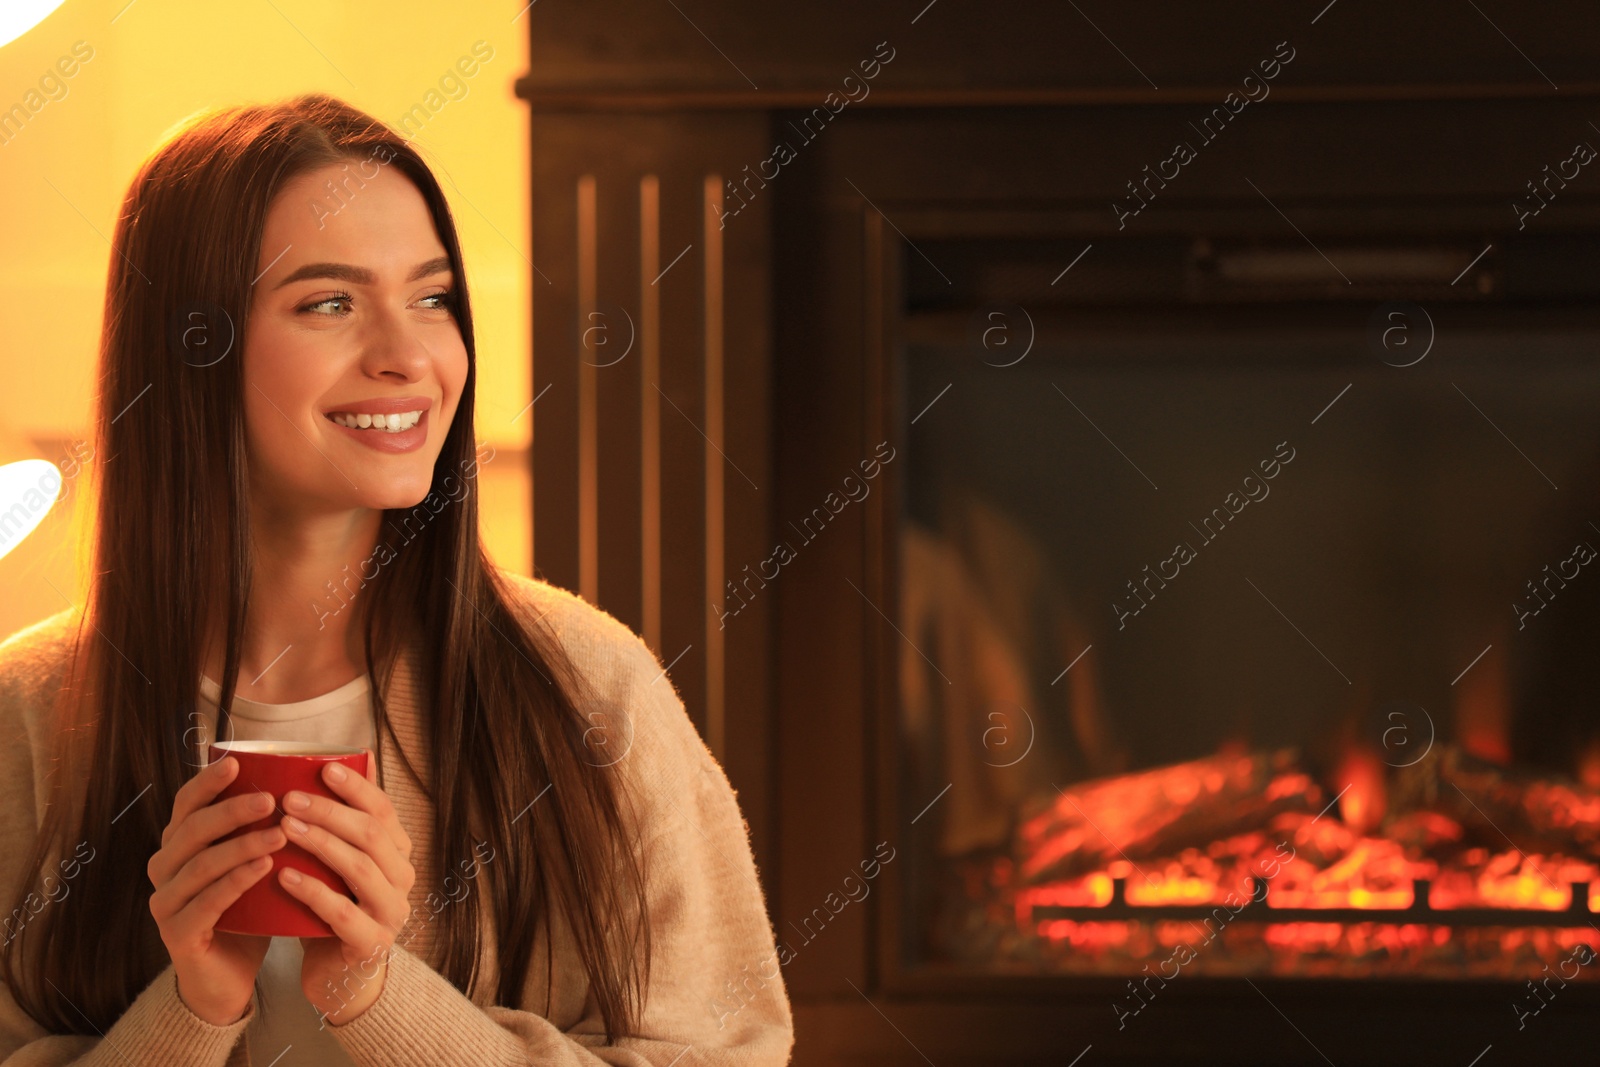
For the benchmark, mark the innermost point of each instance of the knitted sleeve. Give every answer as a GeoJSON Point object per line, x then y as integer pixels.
{"type": "Point", "coordinates": [157, 1026]}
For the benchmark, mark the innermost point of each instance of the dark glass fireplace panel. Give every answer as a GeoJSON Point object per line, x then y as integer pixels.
{"type": "Point", "coordinates": [1112, 612]}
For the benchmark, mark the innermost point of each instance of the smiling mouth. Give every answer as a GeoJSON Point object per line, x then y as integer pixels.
{"type": "Point", "coordinates": [397, 423]}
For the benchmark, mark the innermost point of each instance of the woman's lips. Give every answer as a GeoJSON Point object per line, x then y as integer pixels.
{"type": "Point", "coordinates": [384, 441]}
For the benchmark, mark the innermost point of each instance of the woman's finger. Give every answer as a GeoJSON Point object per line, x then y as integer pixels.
{"type": "Point", "coordinates": [365, 859]}
{"type": "Point", "coordinates": [358, 799]}
{"type": "Point", "coordinates": [363, 794]}
{"type": "Point", "coordinates": [175, 893]}
{"type": "Point", "coordinates": [199, 791]}
{"type": "Point", "coordinates": [349, 920]}
{"type": "Point", "coordinates": [197, 918]}
{"type": "Point", "coordinates": [200, 829]}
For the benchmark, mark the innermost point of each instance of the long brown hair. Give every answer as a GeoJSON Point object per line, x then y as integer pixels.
{"type": "Point", "coordinates": [503, 704]}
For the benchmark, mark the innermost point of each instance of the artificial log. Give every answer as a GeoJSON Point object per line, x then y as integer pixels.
{"type": "Point", "coordinates": [1159, 812]}
{"type": "Point", "coordinates": [1530, 811]}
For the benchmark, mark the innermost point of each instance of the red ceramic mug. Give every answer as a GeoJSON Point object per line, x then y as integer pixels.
{"type": "Point", "coordinates": [277, 767]}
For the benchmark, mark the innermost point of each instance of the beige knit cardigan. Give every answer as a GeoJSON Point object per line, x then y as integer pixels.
{"type": "Point", "coordinates": [710, 930]}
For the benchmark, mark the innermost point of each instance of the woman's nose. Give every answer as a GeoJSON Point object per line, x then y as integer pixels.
{"type": "Point", "coordinates": [394, 349]}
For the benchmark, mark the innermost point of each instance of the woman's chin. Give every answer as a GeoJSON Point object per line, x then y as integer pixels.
{"type": "Point", "coordinates": [396, 495]}
{"type": "Point", "coordinates": [396, 501]}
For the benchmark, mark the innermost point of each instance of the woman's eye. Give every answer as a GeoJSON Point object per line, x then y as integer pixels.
{"type": "Point", "coordinates": [446, 301]}
{"type": "Point", "coordinates": [339, 298]}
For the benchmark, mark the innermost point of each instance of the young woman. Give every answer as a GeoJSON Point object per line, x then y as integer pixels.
{"type": "Point", "coordinates": [548, 865]}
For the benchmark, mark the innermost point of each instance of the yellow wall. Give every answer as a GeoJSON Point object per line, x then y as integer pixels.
{"type": "Point", "coordinates": [155, 62]}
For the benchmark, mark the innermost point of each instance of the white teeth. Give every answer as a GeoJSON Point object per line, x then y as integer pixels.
{"type": "Point", "coordinates": [387, 423]}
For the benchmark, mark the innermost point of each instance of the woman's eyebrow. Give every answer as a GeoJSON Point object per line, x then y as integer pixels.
{"type": "Point", "coordinates": [347, 272]}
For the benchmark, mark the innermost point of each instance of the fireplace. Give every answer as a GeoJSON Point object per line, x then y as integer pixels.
{"type": "Point", "coordinates": [1240, 634]}
{"type": "Point", "coordinates": [1146, 614]}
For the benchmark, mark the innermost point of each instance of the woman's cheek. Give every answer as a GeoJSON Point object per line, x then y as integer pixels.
{"type": "Point", "coordinates": [280, 389]}
{"type": "Point", "coordinates": [453, 387]}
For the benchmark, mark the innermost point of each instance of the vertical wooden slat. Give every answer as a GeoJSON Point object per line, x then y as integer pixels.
{"type": "Point", "coordinates": [535, 316]}
{"type": "Point", "coordinates": [650, 407]}
{"type": "Point", "coordinates": [880, 580]}
{"type": "Point", "coordinates": [588, 429]}
{"type": "Point", "coordinates": [715, 679]}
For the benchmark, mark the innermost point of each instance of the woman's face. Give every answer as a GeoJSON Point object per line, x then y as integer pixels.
{"type": "Point", "coordinates": [351, 322]}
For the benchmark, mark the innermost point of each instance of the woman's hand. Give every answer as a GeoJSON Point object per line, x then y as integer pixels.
{"type": "Point", "coordinates": [196, 881]}
{"type": "Point", "coordinates": [361, 840]}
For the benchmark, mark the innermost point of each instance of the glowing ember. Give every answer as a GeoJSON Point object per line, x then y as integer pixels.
{"type": "Point", "coordinates": [1207, 835]}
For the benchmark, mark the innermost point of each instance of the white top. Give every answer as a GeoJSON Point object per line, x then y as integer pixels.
{"type": "Point", "coordinates": [287, 1031]}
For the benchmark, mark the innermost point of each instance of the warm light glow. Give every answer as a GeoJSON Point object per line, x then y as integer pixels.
{"type": "Point", "coordinates": [89, 131]}
{"type": "Point", "coordinates": [1364, 801]}
{"type": "Point", "coordinates": [1357, 855]}
{"type": "Point", "coordinates": [1589, 765]}
{"type": "Point", "coordinates": [28, 488]}
{"type": "Point", "coordinates": [17, 17]}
